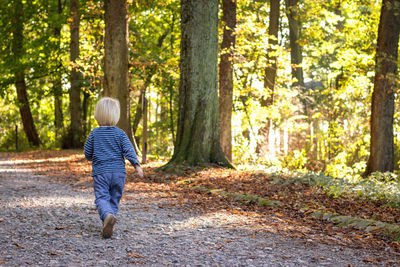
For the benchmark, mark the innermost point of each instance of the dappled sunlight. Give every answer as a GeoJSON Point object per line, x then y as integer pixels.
{"type": "Point", "coordinates": [220, 218]}
{"type": "Point", "coordinates": [30, 161]}
{"type": "Point", "coordinates": [51, 202]}
{"type": "Point", "coordinates": [251, 221]}
{"type": "Point", "coordinates": [12, 170]}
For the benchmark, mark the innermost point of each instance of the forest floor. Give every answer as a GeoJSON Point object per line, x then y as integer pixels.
{"type": "Point", "coordinates": [208, 217]}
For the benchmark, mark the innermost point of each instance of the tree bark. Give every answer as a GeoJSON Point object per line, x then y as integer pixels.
{"type": "Point", "coordinates": [198, 140]}
{"type": "Point", "coordinates": [296, 57]}
{"type": "Point", "coordinates": [226, 76]}
{"type": "Point", "coordinates": [75, 130]}
{"type": "Point", "coordinates": [20, 84]}
{"type": "Point", "coordinates": [116, 79]}
{"type": "Point", "coordinates": [381, 149]}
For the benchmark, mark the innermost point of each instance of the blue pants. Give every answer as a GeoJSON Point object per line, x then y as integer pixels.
{"type": "Point", "coordinates": [108, 189]}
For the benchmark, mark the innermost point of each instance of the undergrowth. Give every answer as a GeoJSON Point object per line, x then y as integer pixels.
{"type": "Point", "coordinates": [378, 186]}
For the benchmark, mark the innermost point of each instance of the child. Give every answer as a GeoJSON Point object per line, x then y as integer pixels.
{"type": "Point", "coordinates": [106, 147]}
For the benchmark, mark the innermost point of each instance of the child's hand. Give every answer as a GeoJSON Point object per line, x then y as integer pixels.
{"type": "Point", "coordinates": [139, 171]}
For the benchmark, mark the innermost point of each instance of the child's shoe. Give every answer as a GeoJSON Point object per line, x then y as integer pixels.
{"type": "Point", "coordinates": [108, 226]}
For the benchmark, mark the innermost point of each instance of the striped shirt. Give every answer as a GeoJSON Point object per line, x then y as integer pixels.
{"type": "Point", "coordinates": [106, 147]}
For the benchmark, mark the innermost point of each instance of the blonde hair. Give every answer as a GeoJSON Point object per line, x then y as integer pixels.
{"type": "Point", "coordinates": [107, 111]}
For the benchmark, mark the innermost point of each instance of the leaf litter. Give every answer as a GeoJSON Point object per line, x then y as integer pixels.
{"type": "Point", "coordinates": [289, 218]}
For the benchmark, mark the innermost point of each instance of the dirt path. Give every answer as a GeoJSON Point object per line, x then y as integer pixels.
{"type": "Point", "coordinates": [47, 223]}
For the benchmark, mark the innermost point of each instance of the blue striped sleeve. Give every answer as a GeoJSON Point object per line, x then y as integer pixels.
{"type": "Point", "coordinates": [88, 148]}
{"type": "Point", "coordinates": [127, 149]}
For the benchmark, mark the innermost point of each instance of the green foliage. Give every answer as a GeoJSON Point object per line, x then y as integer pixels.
{"type": "Point", "coordinates": [378, 186]}
{"type": "Point", "coordinates": [295, 160]}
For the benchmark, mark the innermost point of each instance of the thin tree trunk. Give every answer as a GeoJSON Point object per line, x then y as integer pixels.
{"type": "Point", "coordinates": [171, 83]}
{"type": "Point", "coordinates": [270, 70]}
{"type": "Point", "coordinates": [296, 57]}
{"type": "Point", "coordinates": [381, 149]}
{"type": "Point", "coordinates": [198, 141]}
{"type": "Point", "coordinates": [75, 130]}
{"type": "Point", "coordinates": [171, 111]}
{"type": "Point", "coordinates": [139, 110]}
{"type": "Point", "coordinates": [158, 113]}
{"type": "Point", "coordinates": [226, 76]}
{"type": "Point", "coordinates": [20, 84]}
{"type": "Point", "coordinates": [85, 108]}
{"type": "Point", "coordinates": [116, 79]}
{"type": "Point", "coordinates": [144, 134]}
{"type": "Point", "coordinates": [57, 83]}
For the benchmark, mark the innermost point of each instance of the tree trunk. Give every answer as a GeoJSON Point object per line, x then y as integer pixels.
{"type": "Point", "coordinates": [171, 111]}
{"type": "Point", "coordinates": [139, 111]}
{"type": "Point", "coordinates": [226, 76]}
{"type": "Point", "coordinates": [198, 140]}
{"type": "Point", "coordinates": [296, 57]}
{"type": "Point", "coordinates": [20, 85]}
{"type": "Point", "coordinates": [85, 112]}
{"type": "Point", "coordinates": [270, 70]}
{"type": "Point", "coordinates": [75, 129]}
{"type": "Point", "coordinates": [57, 83]}
{"type": "Point", "coordinates": [144, 134]}
{"type": "Point", "coordinates": [381, 149]}
{"type": "Point", "coordinates": [116, 79]}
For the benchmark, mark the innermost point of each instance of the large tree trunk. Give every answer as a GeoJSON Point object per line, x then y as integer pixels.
{"type": "Point", "coordinates": [381, 149]}
{"type": "Point", "coordinates": [17, 49]}
{"type": "Point", "coordinates": [57, 83]}
{"type": "Point", "coordinates": [198, 140]}
{"type": "Point", "coordinates": [116, 79]}
{"type": "Point", "coordinates": [74, 139]}
{"type": "Point", "coordinates": [270, 70]}
{"type": "Point", "coordinates": [296, 57]}
{"type": "Point", "coordinates": [226, 76]}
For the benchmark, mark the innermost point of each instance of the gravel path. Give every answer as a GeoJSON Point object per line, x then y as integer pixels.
{"type": "Point", "coordinates": [47, 223]}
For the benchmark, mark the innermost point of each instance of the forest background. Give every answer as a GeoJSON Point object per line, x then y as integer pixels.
{"type": "Point", "coordinates": [317, 120]}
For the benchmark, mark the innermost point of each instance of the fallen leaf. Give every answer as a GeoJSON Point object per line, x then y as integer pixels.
{"type": "Point", "coordinates": [278, 214]}
{"type": "Point", "coordinates": [55, 253]}
{"type": "Point", "coordinates": [59, 227]}
{"type": "Point", "coordinates": [395, 244]}
{"type": "Point", "coordinates": [18, 245]}
{"type": "Point", "coordinates": [370, 260]}
{"type": "Point", "coordinates": [134, 255]}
